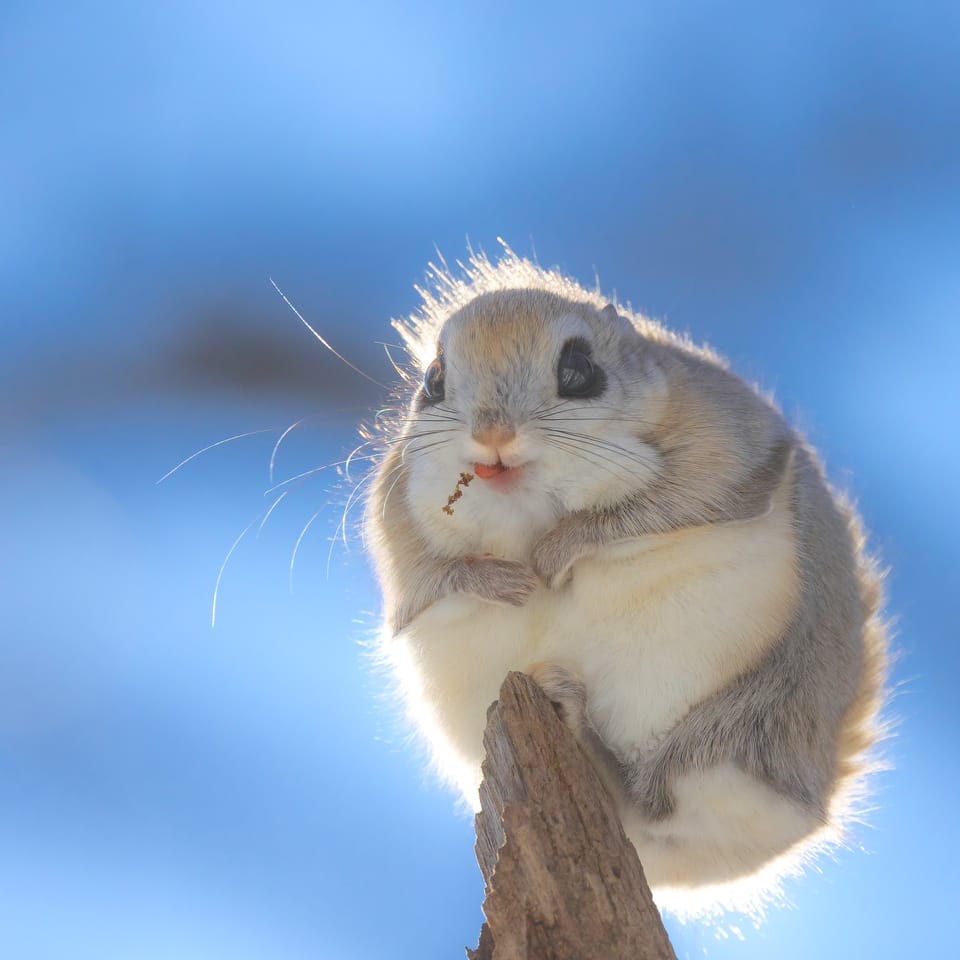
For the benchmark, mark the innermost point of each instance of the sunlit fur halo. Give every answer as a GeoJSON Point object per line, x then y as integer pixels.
{"type": "Point", "coordinates": [448, 290]}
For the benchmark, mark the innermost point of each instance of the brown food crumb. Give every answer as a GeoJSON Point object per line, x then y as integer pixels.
{"type": "Point", "coordinates": [464, 481]}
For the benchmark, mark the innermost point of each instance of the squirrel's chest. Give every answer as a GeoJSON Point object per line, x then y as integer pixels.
{"type": "Point", "coordinates": [652, 625]}
{"type": "Point", "coordinates": [658, 624]}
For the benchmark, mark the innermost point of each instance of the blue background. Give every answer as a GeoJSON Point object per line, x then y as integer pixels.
{"type": "Point", "coordinates": [779, 180]}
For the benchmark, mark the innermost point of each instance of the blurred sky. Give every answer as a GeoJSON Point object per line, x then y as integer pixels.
{"type": "Point", "coordinates": [779, 180]}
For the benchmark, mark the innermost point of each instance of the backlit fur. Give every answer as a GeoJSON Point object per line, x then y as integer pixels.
{"type": "Point", "coordinates": [671, 562]}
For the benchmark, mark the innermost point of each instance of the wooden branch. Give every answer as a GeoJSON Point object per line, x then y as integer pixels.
{"type": "Point", "coordinates": [562, 880]}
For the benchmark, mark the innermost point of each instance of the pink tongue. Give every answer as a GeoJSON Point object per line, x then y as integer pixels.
{"type": "Point", "coordinates": [485, 473]}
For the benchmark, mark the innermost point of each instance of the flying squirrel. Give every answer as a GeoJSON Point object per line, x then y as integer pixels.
{"type": "Point", "coordinates": [647, 537]}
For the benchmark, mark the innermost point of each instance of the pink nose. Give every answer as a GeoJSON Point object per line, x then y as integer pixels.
{"type": "Point", "coordinates": [494, 437]}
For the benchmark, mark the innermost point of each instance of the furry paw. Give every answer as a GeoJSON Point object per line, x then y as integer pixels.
{"type": "Point", "coordinates": [565, 689]}
{"type": "Point", "coordinates": [500, 581]}
{"type": "Point", "coordinates": [559, 549]}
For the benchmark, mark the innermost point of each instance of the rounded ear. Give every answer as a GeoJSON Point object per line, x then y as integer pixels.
{"type": "Point", "coordinates": [609, 313]}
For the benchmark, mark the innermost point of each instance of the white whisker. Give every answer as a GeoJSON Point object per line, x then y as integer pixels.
{"type": "Point", "coordinates": [219, 443]}
{"type": "Point", "coordinates": [302, 476]}
{"type": "Point", "coordinates": [296, 547]}
{"type": "Point", "coordinates": [403, 374]}
{"type": "Point", "coordinates": [398, 470]}
{"type": "Point", "coordinates": [353, 456]}
{"type": "Point", "coordinates": [273, 506]}
{"type": "Point", "coordinates": [339, 356]}
{"type": "Point", "coordinates": [223, 566]}
{"type": "Point", "coordinates": [341, 531]}
{"type": "Point", "coordinates": [276, 446]}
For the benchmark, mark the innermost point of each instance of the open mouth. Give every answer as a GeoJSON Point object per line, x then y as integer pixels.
{"type": "Point", "coordinates": [485, 472]}
{"type": "Point", "coordinates": [498, 472]}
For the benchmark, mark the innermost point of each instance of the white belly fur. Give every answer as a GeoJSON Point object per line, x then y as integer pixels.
{"type": "Point", "coordinates": [653, 625]}
{"type": "Point", "coordinates": [728, 843]}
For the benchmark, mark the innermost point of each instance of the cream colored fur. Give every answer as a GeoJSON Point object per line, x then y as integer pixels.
{"type": "Point", "coordinates": [692, 596]}
{"type": "Point", "coordinates": [683, 561]}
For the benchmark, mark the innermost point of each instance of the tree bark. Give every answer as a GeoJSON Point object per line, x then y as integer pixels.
{"type": "Point", "coordinates": [562, 880]}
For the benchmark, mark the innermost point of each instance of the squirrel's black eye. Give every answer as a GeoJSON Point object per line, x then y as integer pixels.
{"type": "Point", "coordinates": [577, 374]}
{"type": "Point", "coordinates": [433, 381]}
